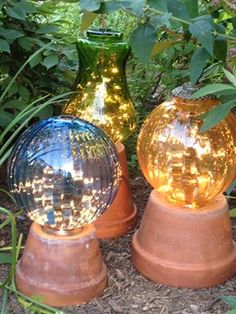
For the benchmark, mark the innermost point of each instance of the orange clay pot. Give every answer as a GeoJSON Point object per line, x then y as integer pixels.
{"type": "Point", "coordinates": [62, 269]}
{"type": "Point", "coordinates": [121, 216]}
{"type": "Point", "coordinates": [180, 247]}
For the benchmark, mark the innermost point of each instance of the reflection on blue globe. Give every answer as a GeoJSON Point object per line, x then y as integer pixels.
{"type": "Point", "coordinates": [64, 172]}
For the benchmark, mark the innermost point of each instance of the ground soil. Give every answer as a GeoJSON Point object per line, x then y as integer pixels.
{"type": "Point", "coordinates": [128, 291]}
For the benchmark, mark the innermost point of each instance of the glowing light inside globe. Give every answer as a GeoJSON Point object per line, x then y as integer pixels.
{"type": "Point", "coordinates": [102, 97]}
{"type": "Point", "coordinates": [64, 172]}
{"type": "Point", "coordinates": [187, 166]}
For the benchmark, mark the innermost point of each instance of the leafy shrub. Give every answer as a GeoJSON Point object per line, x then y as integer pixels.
{"type": "Point", "coordinates": [24, 28]}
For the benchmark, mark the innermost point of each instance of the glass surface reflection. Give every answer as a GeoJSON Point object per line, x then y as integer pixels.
{"type": "Point", "coordinates": [187, 166]}
{"type": "Point", "coordinates": [64, 172]}
{"type": "Point", "coordinates": [102, 96]}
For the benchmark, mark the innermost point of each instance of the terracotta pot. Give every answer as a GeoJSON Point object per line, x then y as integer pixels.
{"type": "Point", "coordinates": [62, 269]}
{"type": "Point", "coordinates": [121, 216]}
{"type": "Point", "coordinates": [184, 248]}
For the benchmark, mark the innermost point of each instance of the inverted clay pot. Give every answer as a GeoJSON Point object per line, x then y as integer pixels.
{"type": "Point", "coordinates": [121, 216]}
{"type": "Point", "coordinates": [179, 247]}
{"type": "Point", "coordinates": [62, 269]}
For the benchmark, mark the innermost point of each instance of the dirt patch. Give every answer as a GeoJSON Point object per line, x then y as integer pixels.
{"type": "Point", "coordinates": [128, 291]}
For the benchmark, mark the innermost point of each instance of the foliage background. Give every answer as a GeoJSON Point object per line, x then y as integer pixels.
{"type": "Point", "coordinates": [183, 41]}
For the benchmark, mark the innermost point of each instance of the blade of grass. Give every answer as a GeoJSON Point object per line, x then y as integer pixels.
{"type": "Point", "coordinates": [11, 125]}
{"type": "Point", "coordinates": [35, 111]}
{"type": "Point", "coordinates": [8, 194]}
{"type": "Point", "coordinates": [41, 306]}
{"type": "Point", "coordinates": [232, 213]}
{"type": "Point", "coordinates": [31, 303]}
{"type": "Point", "coordinates": [11, 271]}
{"type": "Point", "coordinates": [19, 246]}
{"type": "Point", "coordinates": [21, 69]}
{"type": "Point", "coordinates": [9, 248]}
{"type": "Point", "coordinates": [7, 221]}
{"type": "Point", "coordinates": [5, 258]}
{"type": "Point", "coordinates": [5, 156]}
{"type": "Point", "coordinates": [4, 301]}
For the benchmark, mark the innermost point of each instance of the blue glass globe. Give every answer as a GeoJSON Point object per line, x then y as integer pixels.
{"type": "Point", "coordinates": [64, 172]}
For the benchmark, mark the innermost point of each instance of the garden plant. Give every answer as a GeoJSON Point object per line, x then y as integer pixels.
{"type": "Point", "coordinates": [173, 42]}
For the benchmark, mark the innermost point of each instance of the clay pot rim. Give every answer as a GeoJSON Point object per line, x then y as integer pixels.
{"type": "Point", "coordinates": [211, 208]}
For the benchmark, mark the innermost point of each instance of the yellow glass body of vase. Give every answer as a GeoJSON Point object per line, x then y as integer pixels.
{"type": "Point", "coordinates": [102, 96]}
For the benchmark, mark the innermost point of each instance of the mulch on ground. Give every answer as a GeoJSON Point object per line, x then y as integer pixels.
{"type": "Point", "coordinates": [128, 291]}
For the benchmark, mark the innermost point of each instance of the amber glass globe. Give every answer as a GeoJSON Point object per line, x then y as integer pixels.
{"type": "Point", "coordinates": [102, 96]}
{"type": "Point", "coordinates": [187, 166]}
{"type": "Point", "coordinates": [64, 172]}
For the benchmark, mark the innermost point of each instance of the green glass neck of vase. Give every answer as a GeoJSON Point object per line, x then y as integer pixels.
{"type": "Point", "coordinates": [104, 35]}
{"type": "Point", "coordinates": [102, 56]}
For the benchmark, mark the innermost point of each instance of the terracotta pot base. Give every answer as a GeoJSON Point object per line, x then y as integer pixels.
{"type": "Point", "coordinates": [63, 270]}
{"type": "Point", "coordinates": [121, 216]}
{"type": "Point", "coordinates": [182, 248]}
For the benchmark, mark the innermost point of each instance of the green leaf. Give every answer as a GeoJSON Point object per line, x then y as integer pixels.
{"type": "Point", "coordinates": [25, 43]}
{"type": "Point", "coordinates": [4, 69]}
{"type": "Point", "coordinates": [213, 89]}
{"type": "Point", "coordinates": [46, 112]}
{"type": "Point", "coordinates": [24, 93]}
{"type": "Point", "coordinates": [234, 71]}
{"type": "Point", "coordinates": [220, 29]}
{"type": "Point", "coordinates": [230, 77]}
{"type": "Point", "coordinates": [178, 9]}
{"type": "Point", "coordinates": [27, 7]}
{"type": "Point", "coordinates": [13, 90]}
{"type": "Point", "coordinates": [162, 45]}
{"type": "Point", "coordinates": [5, 119]}
{"type": "Point", "coordinates": [47, 28]}
{"type": "Point", "coordinates": [160, 20]}
{"type": "Point", "coordinates": [217, 114]}
{"type": "Point", "coordinates": [10, 34]}
{"type": "Point", "coordinates": [220, 49]}
{"type": "Point", "coordinates": [35, 61]}
{"type": "Point", "coordinates": [5, 258]}
{"type": "Point", "coordinates": [4, 46]}
{"type": "Point", "coordinates": [233, 60]}
{"type": "Point", "coordinates": [160, 5]}
{"type": "Point", "coordinates": [86, 20]}
{"type": "Point", "coordinates": [4, 309]}
{"type": "Point", "coordinates": [137, 7]}
{"type": "Point", "coordinates": [112, 6]}
{"type": "Point", "coordinates": [201, 30]}
{"type": "Point", "coordinates": [13, 79]}
{"type": "Point", "coordinates": [232, 214]}
{"type": "Point", "coordinates": [90, 5]}
{"type": "Point", "coordinates": [142, 41]}
{"type": "Point", "coordinates": [50, 61]}
{"type": "Point", "coordinates": [16, 12]}
{"type": "Point", "coordinates": [231, 312]}
{"type": "Point", "coordinates": [198, 63]}
{"type": "Point", "coordinates": [192, 7]}
{"type": "Point", "coordinates": [15, 104]}
{"type": "Point", "coordinates": [230, 300]}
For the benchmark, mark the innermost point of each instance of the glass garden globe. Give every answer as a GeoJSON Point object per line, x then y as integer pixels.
{"type": "Point", "coordinates": [102, 95]}
{"type": "Point", "coordinates": [188, 166]}
{"type": "Point", "coordinates": [64, 172]}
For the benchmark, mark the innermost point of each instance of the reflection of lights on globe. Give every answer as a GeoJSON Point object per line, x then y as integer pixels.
{"type": "Point", "coordinates": [64, 172]}
{"type": "Point", "coordinates": [102, 97]}
{"type": "Point", "coordinates": [187, 166]}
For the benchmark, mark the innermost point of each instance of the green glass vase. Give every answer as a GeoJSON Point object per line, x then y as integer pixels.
{"type": "Point", "coordinates": [102, 96]}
